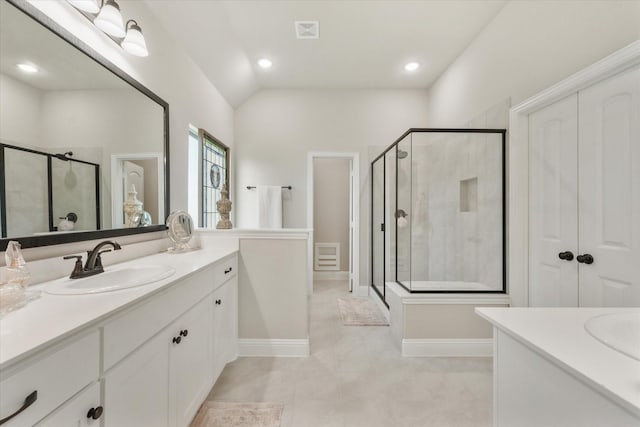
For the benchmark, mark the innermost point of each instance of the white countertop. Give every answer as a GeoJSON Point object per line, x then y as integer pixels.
{"type": "Point", "coordinates": [54, 317]}
{"type": "Point", "coordinates": [558, 335]}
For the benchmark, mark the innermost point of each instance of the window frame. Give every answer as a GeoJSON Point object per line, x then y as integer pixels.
{"type": "Point", "coordinates": [202, 136]}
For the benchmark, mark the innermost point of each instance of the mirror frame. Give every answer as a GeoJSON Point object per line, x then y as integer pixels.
{"type": "Point", "coordinates": [58, 239]}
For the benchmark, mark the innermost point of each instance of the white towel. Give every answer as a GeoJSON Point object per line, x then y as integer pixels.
{"type": "Point", "coordinates": [269, 206]}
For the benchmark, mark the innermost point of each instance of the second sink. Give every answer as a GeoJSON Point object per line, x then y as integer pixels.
{"type": "Point", "coordinates": [620, 331]}
{"type": "Point", "coordinates": [112, 280]}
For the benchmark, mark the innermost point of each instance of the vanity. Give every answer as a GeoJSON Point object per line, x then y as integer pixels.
{"type": "Point", "coordinates": [147, 355]}
{"type": "Point", "coordinates": [550, 371]}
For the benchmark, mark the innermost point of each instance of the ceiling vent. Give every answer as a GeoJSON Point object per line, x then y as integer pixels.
{"type": "Point", "coordinates": [307, 29]}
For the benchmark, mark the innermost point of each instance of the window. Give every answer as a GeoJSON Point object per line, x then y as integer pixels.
{"type": "Point", "coordinates": [208, 173]}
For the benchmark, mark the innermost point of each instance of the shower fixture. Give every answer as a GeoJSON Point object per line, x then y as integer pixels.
{"type": "Point", "coordinates": [64, 156]}
{"type": "Point", "coordinates": [400, 213]}
{"type": "Point", "coordinates": [402, 154]}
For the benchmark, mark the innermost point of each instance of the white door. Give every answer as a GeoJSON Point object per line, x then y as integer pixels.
{"type": "Point", "coordinates": [553, 208]}
{"type": "Point", "coordinates": [191, 360]}
{"type": "Point", "coordinates": [609, 191]}
{"type": "Point", "coordinates": [136, 390]}
{"type": "Point", "coordinates": [225, 330]}
{"type": "Point", "coordinates": [351, 223]}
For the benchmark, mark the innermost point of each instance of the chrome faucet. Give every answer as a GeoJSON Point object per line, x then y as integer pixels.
{"type": "Point", "coordinates": [94, 261]}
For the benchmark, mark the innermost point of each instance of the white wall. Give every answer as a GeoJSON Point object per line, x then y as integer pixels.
{"type": "Point", "coordinates": [275, 129]}
{"type": "Point", "coordinates": [168, 72]}
{"type": "Point", "coordinates": [529, 46]}
{"type": "Point", "coordinates": [331, 204]}
{"type": "Point", "coordinates": [20, 115]}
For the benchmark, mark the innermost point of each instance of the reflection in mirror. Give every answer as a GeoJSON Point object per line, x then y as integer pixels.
{"type": "Point", "coordinates": [113, 134]}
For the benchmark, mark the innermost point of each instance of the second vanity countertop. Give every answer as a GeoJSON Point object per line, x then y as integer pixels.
{"type": "Point", "coordinates": [558, 334]}
{"type": "Point", "coordinates": [54, 317]}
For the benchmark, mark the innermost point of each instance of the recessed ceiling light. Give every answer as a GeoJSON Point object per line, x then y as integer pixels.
{"type": "Point", "coordinates": [265, 63]}
{"type": "Point", "coordinates": [412, 66]}
{"type": "Point", "coordinates": [28, 68]}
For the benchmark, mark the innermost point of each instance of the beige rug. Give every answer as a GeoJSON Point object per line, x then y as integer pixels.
{"type": "Point", "coordinates": [238, 414]}
{"type": "Point", "coordinates": [360, 312]}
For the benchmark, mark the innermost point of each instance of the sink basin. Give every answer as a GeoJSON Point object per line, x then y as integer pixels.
{"type": "Point", "coordinates": [620, 331]}
{"type": "Point", "coordinates": [110, 280]}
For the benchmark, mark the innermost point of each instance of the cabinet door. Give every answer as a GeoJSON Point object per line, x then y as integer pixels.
{"type": "Point", "coordinates": [191, 361]}
{"type": "Point", "coordinates": [225, 325]}
{"type": "Point", "coordinates": [609, 191]}
{"type": "Point", "coordinates": [136, 390]}
{"type": "Point", "coordinates": [553, 207]}
{"type": "Point", "coordinates": [76, 412]}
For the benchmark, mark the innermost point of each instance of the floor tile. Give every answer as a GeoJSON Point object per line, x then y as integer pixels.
{"type": "Point", "coordinates": [355, 376]}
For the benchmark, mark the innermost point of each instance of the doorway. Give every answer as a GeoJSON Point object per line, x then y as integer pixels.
{"type": "Point", "coordinates": [144, 172]}
{"type": "Point", "coordinates": [333, 214]}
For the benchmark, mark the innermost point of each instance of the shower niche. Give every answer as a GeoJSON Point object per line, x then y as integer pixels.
{"type": "Point", "coordinates": [438, 212]}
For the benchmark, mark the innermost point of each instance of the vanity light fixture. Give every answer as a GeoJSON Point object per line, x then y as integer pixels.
{"type": "Point", "coordinates": [265, 63]}
{"type": "Point", "coordinates": [412, 66]}
{"type": "Point", "coordinates": [28, 68]}
{"type": "Point", "coordinates": [107, 17]}
{"type": "Point", "coordinates": [134, 40]}
{"type": "Point", "coordinates": [110, 20]}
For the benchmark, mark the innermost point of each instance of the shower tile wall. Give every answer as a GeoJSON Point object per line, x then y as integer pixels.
{"type": "Point", "coordinates": [457, 208]}
{"type": "Point", "coordinates": [26, 192]}
{"type": "Point", "coordinates": [74, 188]}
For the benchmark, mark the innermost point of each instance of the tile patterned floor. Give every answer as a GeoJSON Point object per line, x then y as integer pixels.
{"type": "Point", "coordinates": [355, 377]}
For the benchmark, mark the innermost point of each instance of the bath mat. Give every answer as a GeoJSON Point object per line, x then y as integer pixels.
{"type": "Point", "coordinates": [238, 414]}
{"type": "Point", "coordinates": [360, 312]}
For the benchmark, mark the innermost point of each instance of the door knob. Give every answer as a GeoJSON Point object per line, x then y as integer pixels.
{"type": "Point", "coordinates": [95, 413]}
{"type": "Point", "coordinates": [567, 255]}
{"type": "Point", "coordinates": [585, 259]}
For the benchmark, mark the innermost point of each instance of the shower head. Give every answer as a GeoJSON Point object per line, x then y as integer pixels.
{"type": "Point", "coordinates": [64, 156]}
{"type": "Point", "coordinates": [402, 154]}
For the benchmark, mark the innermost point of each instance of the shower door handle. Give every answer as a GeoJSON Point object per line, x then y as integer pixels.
{"type": "Point", "coordinates": [382, 227]}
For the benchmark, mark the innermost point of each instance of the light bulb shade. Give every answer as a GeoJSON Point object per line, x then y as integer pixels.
{"type": "Point", "coordinates": [90, 6]}
{"type": "Point", "coordinates": [134, 41]}
{"type": "Point", "coordinates": [109, 19]}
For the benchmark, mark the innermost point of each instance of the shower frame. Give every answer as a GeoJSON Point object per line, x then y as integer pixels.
{"type": "Point", "coordinates": [50, 157]}
{"type": "Point", "coordinates": [381, 157]}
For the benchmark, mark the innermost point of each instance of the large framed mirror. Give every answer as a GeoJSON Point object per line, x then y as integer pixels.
{"type": "Point", "coordinates": [79, 138]}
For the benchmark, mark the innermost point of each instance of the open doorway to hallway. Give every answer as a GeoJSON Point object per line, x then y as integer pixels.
{"type": "Point", "coordinates": [332, 213]}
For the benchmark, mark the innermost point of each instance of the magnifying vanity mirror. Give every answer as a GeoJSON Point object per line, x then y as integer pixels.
{"type": "Point", "coordinates": [77, 137]}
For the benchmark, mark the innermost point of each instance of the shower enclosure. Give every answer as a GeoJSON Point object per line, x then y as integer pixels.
{"type": "Point", "coordinates": [438, 212]}
{"type": "Point", "coordinates": [37, 189]}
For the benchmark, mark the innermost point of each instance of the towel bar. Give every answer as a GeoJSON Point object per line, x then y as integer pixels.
{"type": "Point", "coordinates": [251, 187]}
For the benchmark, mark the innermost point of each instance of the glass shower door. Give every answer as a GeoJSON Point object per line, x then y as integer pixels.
{"type": "Point", "coordinates": [402, 212]}
{"type": "Point", "coordinates": [377, 224]}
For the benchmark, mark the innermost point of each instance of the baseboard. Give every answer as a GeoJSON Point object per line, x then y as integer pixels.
{"type": "Point", "coordinates": [273, 347]}
{"type": "Point", "coordinates": [453, 347]}
{"type": "Point", "coordinates": [330, 275]}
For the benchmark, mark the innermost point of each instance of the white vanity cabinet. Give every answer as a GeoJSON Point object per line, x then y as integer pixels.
{"type": "Point", "coordinates": [225, 319]}
{"type": "Point", "coordinates": [150, 364]}
{"type": "Point", "coordinates": [164, 381]}
{"type": "Point", "coordinates": [52, 376]}
{"type": "Point", "coordinates": [190, 362]}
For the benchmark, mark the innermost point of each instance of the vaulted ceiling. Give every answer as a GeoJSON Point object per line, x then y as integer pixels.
{"type": "Point", "coordinates": [362, 45]}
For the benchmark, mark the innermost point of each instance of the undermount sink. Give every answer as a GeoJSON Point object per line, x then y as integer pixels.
{"type": "Point", "coordinates": [620, 331]}
{"type": "Point", "coordinates": [111, 280]}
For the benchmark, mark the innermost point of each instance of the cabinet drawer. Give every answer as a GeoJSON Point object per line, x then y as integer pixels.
{"type": "Point", "coordinates": [76, 411]}
{"type": "Point", "coordinates": [56, 376]}
{"type": "Point", "coordinates": [225, 270]}
{"type": "Point", "coordinates": [127, 332]}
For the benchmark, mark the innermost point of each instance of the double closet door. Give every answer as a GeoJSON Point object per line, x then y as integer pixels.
{"type": "Point", "coordinates": [584, 197]}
